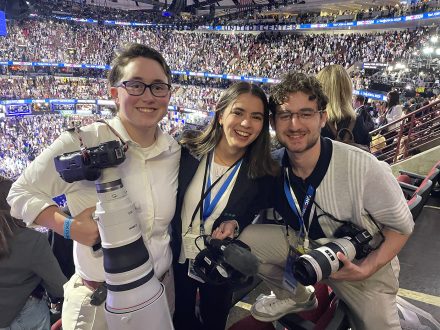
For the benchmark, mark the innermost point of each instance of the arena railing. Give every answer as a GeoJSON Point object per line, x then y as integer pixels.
{"type": "Point", "coordinates": [408, 135]}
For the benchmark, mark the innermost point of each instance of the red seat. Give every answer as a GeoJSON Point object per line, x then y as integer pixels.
{"type": "Point", "coordinates": [331, 314]}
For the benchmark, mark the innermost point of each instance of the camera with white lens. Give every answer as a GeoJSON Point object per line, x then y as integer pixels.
{"type": "Point", "coordinates": [320, 263]}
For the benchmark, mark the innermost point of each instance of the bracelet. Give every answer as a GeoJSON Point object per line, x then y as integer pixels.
{"type": "Point", "coordinates": [66, 227]}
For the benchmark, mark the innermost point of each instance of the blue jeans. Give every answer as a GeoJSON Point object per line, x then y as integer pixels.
{"type": "Point", "coordinates": [35, 315]}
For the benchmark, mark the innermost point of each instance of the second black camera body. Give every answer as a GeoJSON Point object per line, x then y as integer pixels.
{"type": "Point", "coordinates": [227, 261]}
{"type": "Point", "coordinates": [88, 163]}
{"type": "Point", "coordinates": [319, 263]}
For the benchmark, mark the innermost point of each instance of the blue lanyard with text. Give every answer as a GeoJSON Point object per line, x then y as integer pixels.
{"type": "Point", "coordinates": [206, 193]}
{"type": "Point", "coordinates": [294, 205]}
{"type": "Point", "coordinates": [208, 205]}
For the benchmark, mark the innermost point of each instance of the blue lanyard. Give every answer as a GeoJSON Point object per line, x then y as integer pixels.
{"type": "Point", "coordinates": [206, 193]}
{"type": "Point", "coordinates": [208, 205]}
{"type": "Point", "coordinates": [293, 202]}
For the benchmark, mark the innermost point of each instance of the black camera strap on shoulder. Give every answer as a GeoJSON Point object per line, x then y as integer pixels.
{"type": "Point", "coordinates": [76, 128]}
{"type": "Point", "coordinates": [124, 143]}
{"type": "Point", "coordinates": [332, 217]}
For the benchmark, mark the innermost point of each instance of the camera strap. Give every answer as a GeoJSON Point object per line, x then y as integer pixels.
{"type": "Point", "coordinates": [125, 144]}
{"type": "Point", "coordinates": [370, 217]}
{"type": "Point", "coordinates": [83, 148]}
{"type": "Point", "coordinates": [299, 212]}
{"type": "Point", "coordinates": [205, 205]}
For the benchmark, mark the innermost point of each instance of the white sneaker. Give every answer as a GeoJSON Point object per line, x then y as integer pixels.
{"type": "Point", "coordinates": [269, 308]}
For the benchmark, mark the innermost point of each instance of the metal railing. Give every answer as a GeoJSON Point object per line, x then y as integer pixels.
{"type": "Point", "coordinates": [408, 135]}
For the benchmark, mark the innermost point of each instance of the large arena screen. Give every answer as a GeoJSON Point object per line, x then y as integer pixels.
{"type": "Point", "coordinates": [3, 30]}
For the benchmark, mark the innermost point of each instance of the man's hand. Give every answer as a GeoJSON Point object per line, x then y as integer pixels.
{"type": "Point", "coordinates": [391, 246]}
{"type": "Point", "coordinates": [350, 271]}
{"type": "Point", "coordinates": [225, 229]}
{"type": "Point", "coordinates": [84, 229]}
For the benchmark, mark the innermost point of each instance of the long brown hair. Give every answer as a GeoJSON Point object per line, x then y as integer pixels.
{"type": "Point", "coordinates": [261, 162]}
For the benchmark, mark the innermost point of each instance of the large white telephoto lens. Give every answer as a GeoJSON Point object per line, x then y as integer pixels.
{"type": "Point", "coordinates": [135, 297]}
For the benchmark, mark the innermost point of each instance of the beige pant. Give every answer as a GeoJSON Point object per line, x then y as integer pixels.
{"type": "Point", "coordinates": [372, 302]}
{"type": "Point", "coordinates": [79, 314]}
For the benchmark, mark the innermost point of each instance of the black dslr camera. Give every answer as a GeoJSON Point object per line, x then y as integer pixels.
{"type": "Point", "coordinates": [227, 261]}
{"type": "Point", "coordinates": [319, 263]}
{"type": "Point", "coordinates": [87, 164]}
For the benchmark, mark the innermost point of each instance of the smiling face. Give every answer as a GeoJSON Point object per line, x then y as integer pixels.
{"type": "Point", "coordinates": [141, 114]}
{"type": "Point", "coordinates": [299, 135]}
{"type": "Point", "coordinates": [242, 122]}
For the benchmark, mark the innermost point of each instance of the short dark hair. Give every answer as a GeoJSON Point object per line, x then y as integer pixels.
{"type": "Point", "coordinates": [130, 52]}
{"type": "Point", "coordinates": [294, 82]}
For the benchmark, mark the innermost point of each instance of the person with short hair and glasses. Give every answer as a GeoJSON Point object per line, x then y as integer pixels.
{"type": "Point", "coordinates": [140, 85]}
{"type": "Point", "coordinates": [325, 183]}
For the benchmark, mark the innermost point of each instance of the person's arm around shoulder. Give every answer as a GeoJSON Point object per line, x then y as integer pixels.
{"type": "Point", "coordinates": [390, 211]}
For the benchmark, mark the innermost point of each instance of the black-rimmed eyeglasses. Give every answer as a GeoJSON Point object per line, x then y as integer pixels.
{"type": "Point", "coordinates": [137, 88]}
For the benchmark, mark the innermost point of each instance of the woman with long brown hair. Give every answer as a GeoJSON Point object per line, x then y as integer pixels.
{"type": "Point", "coordinates": [224, 180]}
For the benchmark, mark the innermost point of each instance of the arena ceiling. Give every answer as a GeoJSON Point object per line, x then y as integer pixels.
{"type": "Point", "coordinates": [222, 7]}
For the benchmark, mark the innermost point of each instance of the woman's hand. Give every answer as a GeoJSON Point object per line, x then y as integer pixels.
{"type": "Point", "coordinates": [84, 229]}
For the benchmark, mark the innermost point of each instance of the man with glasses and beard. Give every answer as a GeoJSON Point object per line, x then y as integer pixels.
{"type": "Point", "coordinates": [324, 181]}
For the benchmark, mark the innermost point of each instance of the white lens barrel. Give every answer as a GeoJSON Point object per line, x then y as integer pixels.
{"type": "Point", "coordinates": [135, 297]}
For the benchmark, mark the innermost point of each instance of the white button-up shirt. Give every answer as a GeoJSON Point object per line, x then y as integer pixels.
{"type": "Point", "coordinates": [148, 174]}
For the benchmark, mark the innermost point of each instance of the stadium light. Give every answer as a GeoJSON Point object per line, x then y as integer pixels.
{"type": "Point", "coordinates": [434, 39]}
{"type": "Point", "coordinates": [428, 50]}
{"type": "Point", "coordinates": [437, 51]}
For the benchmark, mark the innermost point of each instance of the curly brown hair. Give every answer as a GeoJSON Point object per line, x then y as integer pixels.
{"type": "Point", "coordinates": [294, 82]}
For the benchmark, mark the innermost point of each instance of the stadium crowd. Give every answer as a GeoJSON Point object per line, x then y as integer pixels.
{"type": "Point", "coordinates": [266, 54]}
{"type": "Point", "coordinates": [83, 10]}
{"type": "Point", "coordinates": [23, 138]}
{"type": "Point", "coordinates": [44, 87]}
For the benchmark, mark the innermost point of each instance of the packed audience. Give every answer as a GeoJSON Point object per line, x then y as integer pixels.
{"type": "Point", "coordinates": [266, 54]}
{"type": "Point", "coordinates": [43, 87]}
{"type": "Point", "coordinates": [24, 138]}
{"type": "Point", "coordinates": [51, 7]}
{"type": "Point", "coordinates": [375, 12]}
